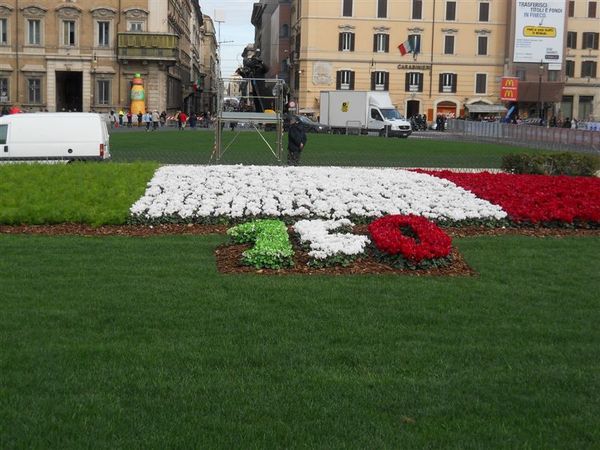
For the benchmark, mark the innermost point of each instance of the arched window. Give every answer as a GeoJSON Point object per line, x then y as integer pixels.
{"type": "Point", "coordinates": [284, 31]}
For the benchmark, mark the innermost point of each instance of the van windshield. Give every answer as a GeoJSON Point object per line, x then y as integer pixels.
{"type": "Point", "coordinates": [391, 114]}
{"type": "Point", "coordinates": [3, 133]}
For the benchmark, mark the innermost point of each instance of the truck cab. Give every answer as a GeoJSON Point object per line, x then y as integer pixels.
{"type": "Point", "coordinates": [385, 118]}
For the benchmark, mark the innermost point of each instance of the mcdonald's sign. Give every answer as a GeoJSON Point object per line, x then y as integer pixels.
{"type": "Point", "coordinates": [509, 89]}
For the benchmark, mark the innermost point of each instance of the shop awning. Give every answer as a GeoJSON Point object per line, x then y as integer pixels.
{"type": "Point", "coordinates": [486, 109]}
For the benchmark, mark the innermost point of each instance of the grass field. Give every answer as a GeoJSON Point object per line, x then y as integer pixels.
{"type": "Point", "coordinates": [79, 193]}
{"type": "Point", "coordinates": [139, 343]}
{"type": "Point", "coordinates": [195, 147]}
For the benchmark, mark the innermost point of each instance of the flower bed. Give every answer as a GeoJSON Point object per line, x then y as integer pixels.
{"type": "Point", "coordinates": [271, 245]}
{"type": "Point", "coordinates": [410, 241]}
{"type": "Point", "coordinates": [536, 199]}
{"type": "Point", "coordinates": [209, 194]}
{"type": "Point", "coordinates": [330, 249]}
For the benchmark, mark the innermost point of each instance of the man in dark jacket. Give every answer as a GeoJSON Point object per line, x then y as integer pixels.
{"type": "Point", "coordinates": [296, 141]}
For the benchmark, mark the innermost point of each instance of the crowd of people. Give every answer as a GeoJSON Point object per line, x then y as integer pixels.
{"type": "Point", "coordinates": [153, 120]}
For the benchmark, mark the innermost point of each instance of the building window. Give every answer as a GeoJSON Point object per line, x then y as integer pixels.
{"type": "Point", "coordinates": [346, 42]}
{"type": "Point", "coordinates": [571, 8]}
{"type": "Point", "coordinates": [136, 26]}
{"type": "Point", "coordinates": [481, 83]}
{"type": "Point", "coordinates": [417, 9]}
{"type": "Point", "coordinates": [103, 34]}
{"type": "Point", "coordinates": [415, 42]}
{"type": "Point", "coordinates": [34, 90]}
{"type": "Point", "coordinates": [414, 82]}
{"type": "Point", "coordinates": [570, 68]}
{"type": "Point", "coordinates": [451, 10]}
{"type": "Point", "coordinates": [103, 92]}
{"type": "Point", "coordinates": [521, 74]}
{"type": "Point", "coordinates": [448, 45]}
{"type": "Point", "coordinates": [3, 31]}
{"type": "Point", "coordinates": [284, 31]}
{"type": "Point", "coordinates": [382, 9]}
{"type": "Point", "coordinates": [571, 39]}
{"type": "Point", "coordinates": [34, 31]}
{"type": "Point", "coordinates": [381, 43]}
{"type": "Point", "coordinates": [380, 81]}
{"type": "Point", "coordinates": [586, 107]}
{"type": "Point", "coordinates": [553, 75]}
{"type": "Point", "coordinates": [448, 82]}
{"type": "Point", "coordinates": [588, 69]}
{"type": "Point", "coordinates": [4, 97]}
{"type": "Point", "coordinates": [347, 8]}
{"type": "Point", "coordinates": [590, 40]}
{"type": "Point", "coordinates": [69, 33]}
{"type": "Point", "coordinates": [592, 10]}
{"type": "Point", "coordinates": [345, 80]}
{"type": "Point", "coordinates": [482, 45]}
{"type": "Point", "coordinates": [566, 106]}
{"type": "Point", "coordinates": [484, 12]}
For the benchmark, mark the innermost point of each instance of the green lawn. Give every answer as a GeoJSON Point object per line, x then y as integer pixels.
{"type": "Point", "coordinates": [139, 343]}
{"type": "Point", "coordinates": [195, 147]}
{"type": "Point", "coordinates": [79, 193]}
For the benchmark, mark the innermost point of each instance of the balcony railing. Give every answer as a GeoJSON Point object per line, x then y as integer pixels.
{"type": "Point", "coordinates": [148, 46]}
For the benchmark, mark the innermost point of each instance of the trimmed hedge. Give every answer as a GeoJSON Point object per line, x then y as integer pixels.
{"type": "Point", "coordinates": [573, 164]}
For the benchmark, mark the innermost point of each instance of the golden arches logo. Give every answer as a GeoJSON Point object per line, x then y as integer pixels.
{"type": "Point", "coordinates": [509, 93]}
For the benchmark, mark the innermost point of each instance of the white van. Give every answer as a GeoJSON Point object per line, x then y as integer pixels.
{"type": "Point", "coordinates": [53, 136]}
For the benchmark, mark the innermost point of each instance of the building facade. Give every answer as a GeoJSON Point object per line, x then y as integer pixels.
{"type": "Point", "coordinates": [81, 55]}
{"type": "Point", "coordinates": [271, 20]}
{"type": "Point", "coordinates": [458, 53]}
{"type": "Point", "coordinates": [581, 97]}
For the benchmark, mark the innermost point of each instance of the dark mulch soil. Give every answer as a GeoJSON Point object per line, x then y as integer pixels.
{"type": "Point", "coordinates": [229, 261]}
{"type": "Point", "coordinates": [198, 229]}
{"type": "Point", "coordinates": [114, 230]}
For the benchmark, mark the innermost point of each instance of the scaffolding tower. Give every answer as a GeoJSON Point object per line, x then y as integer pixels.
{"type": "Point", "coordinates": [255, 110]}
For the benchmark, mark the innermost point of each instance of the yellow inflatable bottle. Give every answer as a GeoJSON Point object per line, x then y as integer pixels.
{"type": "Point", "coordinates": [138, 95]}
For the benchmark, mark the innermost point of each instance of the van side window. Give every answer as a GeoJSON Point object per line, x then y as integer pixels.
{"type": "Point", "coordinates": [375, 115]}
{"type": "Point", "coordinates": [3, 134]}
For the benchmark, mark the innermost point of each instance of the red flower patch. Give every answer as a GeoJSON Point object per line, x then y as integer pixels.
{"type": "Point", "coordinates": [534, 198]}
{"type": "Point", "coordinates": [415, 238]}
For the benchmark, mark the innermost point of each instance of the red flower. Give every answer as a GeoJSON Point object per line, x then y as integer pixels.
{"type": "Point", "coordinates": [534, 198]}
{"type": "Point", "coordinates": [392, 235]}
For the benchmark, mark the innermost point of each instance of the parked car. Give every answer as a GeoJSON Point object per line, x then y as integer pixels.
{"type": "Point", "coordinates": [309, 125]}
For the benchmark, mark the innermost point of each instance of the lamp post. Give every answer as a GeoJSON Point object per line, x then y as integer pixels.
{"type": "Point", "coordinates": [540, 105]}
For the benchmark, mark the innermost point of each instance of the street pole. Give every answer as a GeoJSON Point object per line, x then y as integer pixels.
{"type": "Point", "coordinates": [540, 73]}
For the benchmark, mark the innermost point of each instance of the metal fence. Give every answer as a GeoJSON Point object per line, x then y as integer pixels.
{"type": "Point", "coordinates": [560, 139]}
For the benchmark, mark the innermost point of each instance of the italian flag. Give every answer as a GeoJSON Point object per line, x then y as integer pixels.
{"type": "Point", "coordinates": [405, 47]}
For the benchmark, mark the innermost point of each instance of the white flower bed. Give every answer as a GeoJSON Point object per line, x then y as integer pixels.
{"type": "Point", "coordinates": [324, 244]}
{"type": "Point", "coordinates": [200, 192]}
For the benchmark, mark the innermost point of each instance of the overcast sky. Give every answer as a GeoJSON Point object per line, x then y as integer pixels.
{"type": "Point", "coordinates": [236, 28]}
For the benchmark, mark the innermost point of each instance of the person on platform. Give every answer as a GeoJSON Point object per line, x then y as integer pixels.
{"type": "Point", "coordinates": [296, 141]}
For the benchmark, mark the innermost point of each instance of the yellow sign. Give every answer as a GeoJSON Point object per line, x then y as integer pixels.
{"type": "Point", "coordinates": [549, 32]}
{"type": "Point", "coordinates": [345, 106]}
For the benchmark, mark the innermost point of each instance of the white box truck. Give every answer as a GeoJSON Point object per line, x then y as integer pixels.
{"type": "Point", "coordinates": [53, 136]}
{"type": "Point", "coordinates": [370, 110]}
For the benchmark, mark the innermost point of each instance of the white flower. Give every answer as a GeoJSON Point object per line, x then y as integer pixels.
{"type": "Point", "coordinates": [326, 192]}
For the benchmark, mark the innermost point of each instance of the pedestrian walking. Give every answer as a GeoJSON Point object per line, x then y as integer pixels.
{"type": "Point", "coordinates": [140, 116]}
{"type": "Point", "coordinates": [163, 119]}
{"type": "Point", "coordinates": [121, 115]}
{"type": "Point", "coordinates": [155, 120]}
{"type": "Point", "coordinates": [129, 119]}
{"type": "Point", "coordinates": [296, 141]}
{"type": "Point", "coordinates": [147, 119]}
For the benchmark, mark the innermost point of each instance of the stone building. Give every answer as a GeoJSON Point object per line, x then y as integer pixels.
{"type": "Point", "coordinates": [210, 67]}
{"type": "Point", "coordinates": [82, 55]}
{"type": "Point", "coordinates": [581, 97]}
{"type": "Point", "coordinates": [271, 20]}
{"type": "Point", "coordinates": [461, 52]}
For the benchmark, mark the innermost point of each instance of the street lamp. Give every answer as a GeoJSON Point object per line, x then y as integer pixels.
{"type": "Point", "coordinates": [540, 105]}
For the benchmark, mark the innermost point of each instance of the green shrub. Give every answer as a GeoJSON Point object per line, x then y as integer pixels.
{"type": "Point", "coordinates": [272, 247]}
{"type": "Point", "coordinates": [573, 164]}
